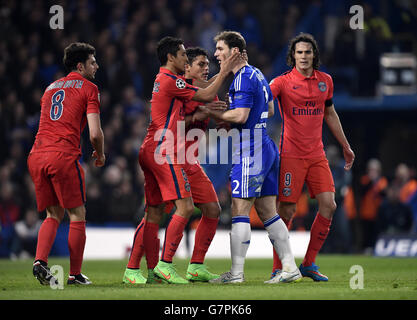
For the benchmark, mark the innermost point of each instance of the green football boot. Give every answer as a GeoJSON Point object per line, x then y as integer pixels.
{"type": "Point", "coordinates": [153, 279]}
{"type": "Point", "coordinates": [167, 272]}
{"type": "Point", "coordinates": [133, 276]}
{"type": "Point", "coordinates": [199, 272]}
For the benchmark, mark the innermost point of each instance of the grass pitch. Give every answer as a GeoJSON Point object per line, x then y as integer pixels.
{"type": "Point", "coordinates": [383, 279]}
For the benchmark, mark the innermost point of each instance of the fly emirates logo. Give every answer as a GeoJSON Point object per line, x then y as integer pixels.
{"type": "Point", "coordinates": [309, 109]}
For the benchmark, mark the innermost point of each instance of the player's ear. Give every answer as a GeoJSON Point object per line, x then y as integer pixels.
{"type": "Point", "coordinates": [80, 66]}
{"type": "Point", "coordinates": [235, 49]}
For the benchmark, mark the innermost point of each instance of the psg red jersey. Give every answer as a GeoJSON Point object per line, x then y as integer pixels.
{"type": "Point", "coordinates": [64, 108]}
{"type": "Point", "coordinates": [302, 101]}
{"type": "Point", "coordinates": [169, 94]}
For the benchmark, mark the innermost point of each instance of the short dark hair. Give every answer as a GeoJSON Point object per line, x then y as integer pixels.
{"type": "Point", "coordinates": [168, 45]}
{"type": "Point", "coordinates": [77, 52]}
{"type": "Point", "coordinates": [232, 39]}
{"type": "Point", "coordinates": [194, 52]}
{"type": "Point", "coordinates": [303, 37]}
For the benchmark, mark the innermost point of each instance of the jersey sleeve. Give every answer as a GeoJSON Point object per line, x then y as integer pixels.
{"type": "Point", "coordinates": [330, 93]}
{"type": "Point", "coordinates": [243, 93]}
{"type": "Point", "coordinates": [180, 89]}
{"type": "Point", "coordinates": [93, 100]}
{"type": "Point", "coordinates": [275, 86]}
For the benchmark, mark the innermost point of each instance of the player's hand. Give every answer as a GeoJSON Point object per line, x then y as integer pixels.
{"type": "Point", "coordinates": [231, 62]}
{"type": "Point", "coordinates": [349, 156]}
{"type": "Point", "coordinates": [223, 125]}
{"type": "Point", "coordinates": [216, 105]}
{"type": "Point", "coordinates": [99, 161]}
{"type": "Point", "coordinates": [200, 114]}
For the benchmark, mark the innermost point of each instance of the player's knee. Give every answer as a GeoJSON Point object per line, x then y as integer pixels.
{"type": "Point", "coordinates": [287, 212]}
{"type": "Point", "coordinates": [211, 210]}
{"type": "Point", "coordinates": [328, 208]}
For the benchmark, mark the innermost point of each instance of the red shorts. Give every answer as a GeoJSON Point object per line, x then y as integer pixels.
{"type": "Point", "coordinates": [202, 189]}
{"type": "Point", "coordinates": [294, 172]}
{"type": "Point", "coordinates": [163, 182]}
{"type": "Point", "coordinates": [58, 178]}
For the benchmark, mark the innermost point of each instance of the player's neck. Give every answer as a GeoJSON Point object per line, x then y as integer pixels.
{"type": "Point", "coordinates": [305, 72]}
{"type": "Point", "coordinates": [239, 66]}
{"type": "Point", "coordinates": [171, 68]}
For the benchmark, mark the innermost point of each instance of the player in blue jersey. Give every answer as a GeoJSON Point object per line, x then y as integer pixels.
{"type": "Point", "coordinates": [254, 173]}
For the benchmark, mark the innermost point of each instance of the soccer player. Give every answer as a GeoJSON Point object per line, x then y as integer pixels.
{"type": "Point", "coordinates": [305, 99]}
{"type": "Point", "coordinates": [254, 173]}
{"type": "Point", "coordinates": [67, 105]}
{"type": "Point", "coordinates": [165, 177]}
{"type": "Point", "coordinates": [202, 190]}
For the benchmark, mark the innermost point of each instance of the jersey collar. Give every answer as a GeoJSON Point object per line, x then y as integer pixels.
{"type": "Point", "coordinates": [299, 76]}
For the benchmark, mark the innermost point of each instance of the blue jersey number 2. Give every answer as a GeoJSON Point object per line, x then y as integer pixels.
{"type": "Point", "coordinates": [57, 107]}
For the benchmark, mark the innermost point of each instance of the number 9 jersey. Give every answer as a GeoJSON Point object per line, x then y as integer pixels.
{"type": "Point", "coordinates": [64, 108]}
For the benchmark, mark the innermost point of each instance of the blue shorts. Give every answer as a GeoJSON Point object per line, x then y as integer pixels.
{"type": "Point", "coordinates": [256, 176]}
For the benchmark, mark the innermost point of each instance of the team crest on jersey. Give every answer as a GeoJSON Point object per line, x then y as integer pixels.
{"type": "Point", "coordinates": [286, 192]}
{"type": "Point", "coordinates": [322, 86]}
{"type": "Point", "coordinates": [156, 87]}
{"type": "Point", "coordinates": [180, 84]}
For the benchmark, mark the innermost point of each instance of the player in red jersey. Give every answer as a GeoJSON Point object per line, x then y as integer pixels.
{"type": "Point", "coordinates": [202, 190]}
{"type": "Point", "coordinates": [67, 105]}
{"type": "Point", "coordinates": [305, 99]}
{"type": "Point", "coordinates": [165, 176]}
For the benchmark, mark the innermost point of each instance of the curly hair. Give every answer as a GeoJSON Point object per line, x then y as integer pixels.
{"type": "Point", "coordinates": [303, 37]}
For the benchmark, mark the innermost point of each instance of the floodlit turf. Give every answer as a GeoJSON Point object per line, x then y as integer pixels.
{"type": "Point", "coordinates": [384, 278]}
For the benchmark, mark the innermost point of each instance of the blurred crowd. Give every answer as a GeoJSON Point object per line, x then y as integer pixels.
{"type": "Point", "coordinates": [125, 34]}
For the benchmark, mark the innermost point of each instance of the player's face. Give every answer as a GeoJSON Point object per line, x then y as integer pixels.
{"type": "Point", "coordinates": [180, 59]}
{"type": "Point", "coordinates": [89, 68]}
{"type": "Point", "coordinates": [199, 69]}
{"type": "Point", "coordinates": [303, 55]}
{"type": "Point", "coordinates": [222, 51]}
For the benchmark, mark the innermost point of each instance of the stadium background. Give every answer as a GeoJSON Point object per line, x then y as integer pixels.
{"type": "Point", "coordinates": [124, 33]}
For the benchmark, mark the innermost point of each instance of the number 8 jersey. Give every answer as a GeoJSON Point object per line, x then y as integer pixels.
{"type": "Point", "coordinates": [64, 108]}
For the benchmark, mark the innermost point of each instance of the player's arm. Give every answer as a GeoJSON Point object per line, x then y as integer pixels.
{"type": "Point", "coordinates": [271, 109]}
{"type": "Point", "coordinates": [96, 138]}
{"type": "Point", "coordinates": [333, 122]}
{"type": "Point", "coordinates": [209, 94]}
{"type": "Point", "coordinates": [238, 115]}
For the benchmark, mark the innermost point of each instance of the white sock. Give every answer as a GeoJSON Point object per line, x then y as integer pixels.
{"type": "Point", "coordinates": [279, 236]}
{"type": "Point", "coordinates": [239, 242]}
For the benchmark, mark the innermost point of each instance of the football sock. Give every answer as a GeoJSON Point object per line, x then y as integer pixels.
{"type": "Point", "coordinates": [318, 234]}
{"type": "Point", "coordinates": [276, 262]}
{"type": "Point", "coordinates": [279, 236]}
{"type": "Point", "coordinates": [204, 234]}
{"type": "Point", "coordinates": [138, 248]}
{"type": "Point", "coordinates": [151, 244]}
{"type": "Point", "coordinates": [239, 242]}
{"type": "Point", "coordinates": [76, 244]}
{"type": "Point", "coordinates": [173, 236]}
{"type": "Point", "coordinates": [46, 238]}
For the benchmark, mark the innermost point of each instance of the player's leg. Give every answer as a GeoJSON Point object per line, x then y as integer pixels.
{"type": "Point", "coordinates": [76, 245]}
{"type": "Point", "coordinates": [292, 173]}
{"type": "Point", "coordinates": [240, 236]}
{"type": "Point", "coordinates": [173, 236]}
{"type": "Point", "coordinates": [46, 199]}
{"type": "Point", "coordinates": [206, 229]}
{"type": "Point", "coordinates": [279, 236]}
{"type": "Point", "coordinates": [205, 198]}
{"type": "Point", "coordinates": [46, 238]}
{"type": "Point", "coordinates": [321, 186]}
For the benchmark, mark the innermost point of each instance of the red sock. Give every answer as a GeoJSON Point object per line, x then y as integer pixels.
{"type": "Point", "coordinates": [204, 234]}
{"type": "Point", "coordinates": [151, 244]}
{"type": "Point", "coordinates": [138, 248]}
{"type": "Point", "coordinates": [46, 238]}
{"type": "Point", "coordinates": [318, 234]}
{"type": "Point", "coordinates": [173, 236]}
{"type": "Point", "coordinates": [277, 263]}
{"type": "Point", "coordinates": [76, 244]}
